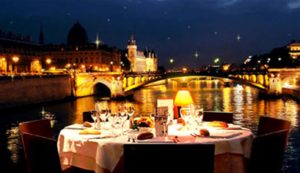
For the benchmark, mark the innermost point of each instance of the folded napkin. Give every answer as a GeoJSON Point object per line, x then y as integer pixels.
{"type": "Point", "coordinates": [89, 131]}
{"type": "Point", "coordinates": [224, 134]}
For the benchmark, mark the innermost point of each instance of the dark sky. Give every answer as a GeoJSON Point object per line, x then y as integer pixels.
{"type": "Point", "coordinates": [173, 28]}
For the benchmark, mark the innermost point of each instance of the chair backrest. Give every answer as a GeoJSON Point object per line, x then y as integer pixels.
{"type": "Point", "coordinates": [267, 152]}
{"type": "Point", "coordinates": [148, 158]}
{"type": "Point", "coordinates": [42, 154]}
{"type": "Point", "coordinates": [269, 124]}
{"type": "Point", "coordinates": [40, 127]}
{"type": "Point", "coordinates": [87, 116]}
{"type": "Point", "coordinates": [218, 116]}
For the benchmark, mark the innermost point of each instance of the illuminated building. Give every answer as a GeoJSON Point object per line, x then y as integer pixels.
{"type": "Point", "coordinates": [78, 53]}
{"type": "Point", "coordinates": [141, 61]}
{"type": "Point", "coordinates": [18, 53]}
{"type": "Point", "coordinates": [294, 50]}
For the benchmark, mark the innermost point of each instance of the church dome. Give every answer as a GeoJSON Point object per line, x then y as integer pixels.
{"type": "Point", "coordinates": [77, 35]}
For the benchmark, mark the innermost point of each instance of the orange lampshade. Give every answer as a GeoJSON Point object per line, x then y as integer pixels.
{"type": "Point", "coordinates": [183, 98]}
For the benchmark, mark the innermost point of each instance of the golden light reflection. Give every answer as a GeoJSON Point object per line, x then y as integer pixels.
{"type": "Point", "coordinates": [226, 99]}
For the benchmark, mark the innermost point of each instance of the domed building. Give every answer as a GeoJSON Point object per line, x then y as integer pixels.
{"type": "Point", "coordinates": [80, 54]}
{"type": "Point", "coordinates": [77, 35]}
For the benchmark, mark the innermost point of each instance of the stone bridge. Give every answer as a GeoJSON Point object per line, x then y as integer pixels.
{"type": "Point", "coordinates": [117, 84]}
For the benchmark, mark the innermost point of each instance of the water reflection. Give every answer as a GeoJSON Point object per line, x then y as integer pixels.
{"type": "Point", "coordinates": [13, 142]}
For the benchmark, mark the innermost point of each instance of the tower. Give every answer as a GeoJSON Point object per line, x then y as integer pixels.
{"type": "Point", "coordinates": [132, 52]}
{"type": "Point", "coordinates": [97, 41]}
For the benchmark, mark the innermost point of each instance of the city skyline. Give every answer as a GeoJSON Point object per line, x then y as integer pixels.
{"type": "Point", "coordinates": [228, 29]}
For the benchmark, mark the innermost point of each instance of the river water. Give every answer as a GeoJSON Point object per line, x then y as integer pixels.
{"type": "Point", "coordinates": [245, 102]}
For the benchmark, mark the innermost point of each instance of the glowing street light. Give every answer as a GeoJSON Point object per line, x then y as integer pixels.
{"type": "Point", "coordinates": [15, 60]}
{"type": "Point", "coordinates": [48, 61]}
{"type": "Point", "coordinates": [171, 61]}
{"type": "Point", "coordinates": [111, 65]}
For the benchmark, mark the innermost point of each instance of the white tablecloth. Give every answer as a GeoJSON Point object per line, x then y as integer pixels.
{"type": "Point", "coordinates": [104, 154]}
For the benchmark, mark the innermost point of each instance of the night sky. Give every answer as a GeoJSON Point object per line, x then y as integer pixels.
{"type": "Point", "coordinates": [229, 29]}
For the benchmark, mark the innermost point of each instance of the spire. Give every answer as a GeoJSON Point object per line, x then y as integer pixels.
{"type": "Point", "coordinates": [131, 41]}
{"type": "Point", "coordinates": [41, 38]}
{"type": "Point", "coordinates": [97, 41]}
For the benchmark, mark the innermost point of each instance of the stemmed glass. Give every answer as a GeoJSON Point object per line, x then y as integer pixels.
{"type": "Point", "coordinates": [198, 116]}
{"type": "Point", "coordinates": [130, 111]}
{"type": "Point", "coordinates": [103, 116]}
{"type": "Point", "coordinates": [123, 116]}
{"type": "Point", "coordinates": [186, 115]}
{"type": "Point", "coordinates": [94, 116]}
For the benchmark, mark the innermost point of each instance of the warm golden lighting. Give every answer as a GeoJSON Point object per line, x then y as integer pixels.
{"type": "Point", "coordinates": [68, 65]}
{"type": "Point", "coordinates": [15, 59]}
{"type": "Point", "coordinates": [226, 67]}
{"type": "Point", "coordinates": [48, 61]}
{"type": "Point", "coordinates": [184, 69]}
{"type": "Point", "coordinates": [183, 98]}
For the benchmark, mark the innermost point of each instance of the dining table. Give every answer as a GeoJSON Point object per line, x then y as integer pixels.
{"type": "Point", "coordinates": [102, 150]}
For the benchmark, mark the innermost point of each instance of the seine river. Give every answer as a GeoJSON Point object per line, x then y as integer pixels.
{"type": "Point", "coordinates": [244, 101]}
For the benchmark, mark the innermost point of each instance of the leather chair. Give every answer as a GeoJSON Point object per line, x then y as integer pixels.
{"type": "Point", "coordinates": [269, 124]}
{"type": "Point", "coordinates": [41, 154]}
{"type": "Point", "coordinates": [218, 116]}
{"type": "Point", "coordinates": [149, 158]}
{"type": "Point", "coordinates": [40, 134]}
{"type": "Point", "coordinates": [40, 127]}
{"type": "Point", "coordinates": [267, 152]}
{"type": "Point", "coordinates": [87, 116]}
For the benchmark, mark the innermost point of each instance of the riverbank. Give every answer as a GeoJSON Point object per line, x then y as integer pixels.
{"type": "Point", "coordinates": [30, 90]}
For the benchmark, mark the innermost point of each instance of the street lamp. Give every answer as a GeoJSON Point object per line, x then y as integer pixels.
{"type": "Point", "coordinates": [15, 59]}
{"type": "Point", "coordinates": [48, 62]}
{"type": "Point", "coordinates": [171, 61]}
{"type": "Point", "coordinates": [196, 57]}
{"type": "Point", "coordinates": [111, 65]}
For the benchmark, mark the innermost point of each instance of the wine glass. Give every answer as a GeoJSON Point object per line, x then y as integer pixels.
{"type": "Point", "coordinates": [94, 116]}
{"type": "Point", "coordinates": [104, 115]}
{"type": "Point", "coordinates": [130, 111]}
{"type": "Point", "coordinates": [186, 115]}
{"type": "Point", "coordinates": [198, 116]}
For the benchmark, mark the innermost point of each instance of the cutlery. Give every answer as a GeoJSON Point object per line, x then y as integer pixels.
{"type": "Point", "coordinates": [75, 128]}
{"type": "Point", "coordinates": [214, 137]}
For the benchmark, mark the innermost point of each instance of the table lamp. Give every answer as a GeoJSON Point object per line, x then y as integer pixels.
{"type": "Point", "coordinates": [182, 98]}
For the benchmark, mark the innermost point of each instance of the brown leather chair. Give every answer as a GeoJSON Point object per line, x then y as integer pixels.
{"type": "Point", "coordinates": [269, 124]}
{"type": "Point", "coordinates": [267, 152]}
{"type": "Point", "coordinates": [218, 116]}
{"type": "Point", "coordinates": [40, 127]}
{"type": "Point", "coordinates": [41, 154]}
{"type": "Point", "coordinates": [87, 116]}
{"type": "Point", "coordinates": [39, 133]}
{"type": "Point", "coordinates": [149, 158]}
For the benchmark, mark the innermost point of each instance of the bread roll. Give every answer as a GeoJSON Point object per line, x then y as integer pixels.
{"type": "Point", "coordinates": [145, 135]}
{"type": "Point", "coordinates": [87, 124]}
{"type": "Point", "coordinates": [204, 132]}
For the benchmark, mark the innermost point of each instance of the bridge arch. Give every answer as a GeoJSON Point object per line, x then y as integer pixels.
{"type": "Point", "coordinates": [101, 90]}
{"type": "Point", "coordinates": [101, 87]}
